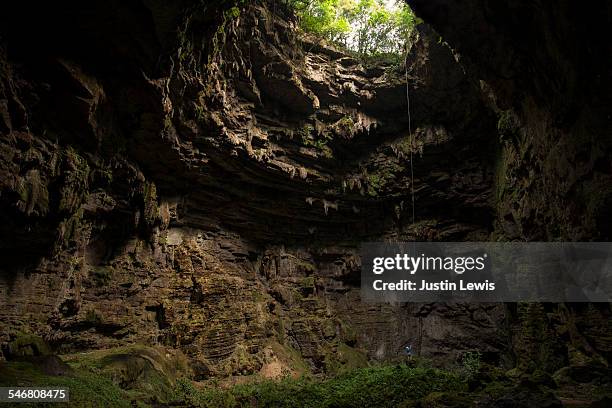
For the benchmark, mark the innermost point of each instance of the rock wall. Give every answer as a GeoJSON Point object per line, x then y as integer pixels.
{"type": "Point", "coordinates": [546, 71]}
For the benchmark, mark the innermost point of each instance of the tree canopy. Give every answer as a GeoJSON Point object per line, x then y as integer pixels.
{"type": "Point", "coordinates": [367, 27]}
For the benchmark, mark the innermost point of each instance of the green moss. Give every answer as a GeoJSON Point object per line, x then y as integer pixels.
{"type": "Point", "coordinates": [374, 184]}
{"type": "Point", "coordinates": [220, 37]}
{"type": "Point", "coordinates": [345, 359]}
{"type": "Point", "coordinates": [232, 13]}
{"type": "Point", "coordinates": [346, 123]}
{"type": "Point", "coordinates": [305, 266]}
{"type": "Point", "coordinates": [26, 344]}
{"type": "Point", "coordinates": [347, 333]}
{"type": "Point", "coordinates": [291, 357]}
{"type": "Point", "coordinates": [93, 318]}
{"type": "Point", "coordinates": [241, 362]}
{"type": "Point", "coordinates": [280, 331]}
{"type": "Point", "coordinates": [308, 282]}
{"type": "Point", "coordinates": [327, 152]}
{"type": "Point", "coordinates": [102, 275]}
{"type": "Point", "coordinates": [136, 374]}
{"type": "Point", "coordinates": [145, 376]}
{"type": "Point", "coordinates": [96, 360]}
{"type": "Point", "coordinates": [344, 127]}
{"type": "Point", "coordinates": [87, 389]}
{"type": "Point", "coordinates": [259, 296]}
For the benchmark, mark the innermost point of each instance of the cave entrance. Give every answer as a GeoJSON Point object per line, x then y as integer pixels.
{"type": "Point", "coordinates": [369, 29]}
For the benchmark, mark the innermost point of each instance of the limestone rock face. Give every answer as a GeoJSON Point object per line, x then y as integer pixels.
{"type": "Point", "coordinates": [548, 80]}
{"type": "Point", "coordinates": [200, 177]}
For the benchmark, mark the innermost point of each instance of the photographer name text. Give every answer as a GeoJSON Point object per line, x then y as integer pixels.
{"type": "Point", "coordinates": [440, 286]}
{"type": "Point", "coordinates": [411, 264]}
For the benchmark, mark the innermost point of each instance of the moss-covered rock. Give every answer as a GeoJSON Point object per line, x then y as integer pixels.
{"type": "Point", "coordinates": [344, 359]}
{"type": "Point", "coordinates": [26, 345]}
{"type": "Point", "coordinates": [87, 388]}
{"type": "Point", "coordinates": [75, 174]}
{"type": "Point", "coordinates": [144, 374]}
{"type": "Point", "coordinates": [33, 194]}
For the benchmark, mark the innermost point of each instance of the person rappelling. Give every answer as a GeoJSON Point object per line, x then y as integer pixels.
{"type": "Point", "coordinates": [408, 351]}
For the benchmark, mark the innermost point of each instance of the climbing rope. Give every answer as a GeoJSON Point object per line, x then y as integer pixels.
{"type": "Point", "coordinates": [411, 136]}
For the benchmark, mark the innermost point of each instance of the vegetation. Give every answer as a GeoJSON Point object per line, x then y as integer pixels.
{"type": "Point", "coordinates": [137, 376]}
{"type": "Point", "coordinates": [367, 27]}
{"type": "Point", "coordinates": [96, 379]}
{"type": "Point", "coordinates": [87, 388]}
{"type": "Point", "coordinates": [26, 344]}
{"type": "Point", "coordinates": [471, 363]}
{"type": "Point", "coordinates": [384, 386]}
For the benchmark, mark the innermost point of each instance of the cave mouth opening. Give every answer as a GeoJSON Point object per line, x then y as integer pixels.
{"type": "Point", "coordinates": [371, 30]}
